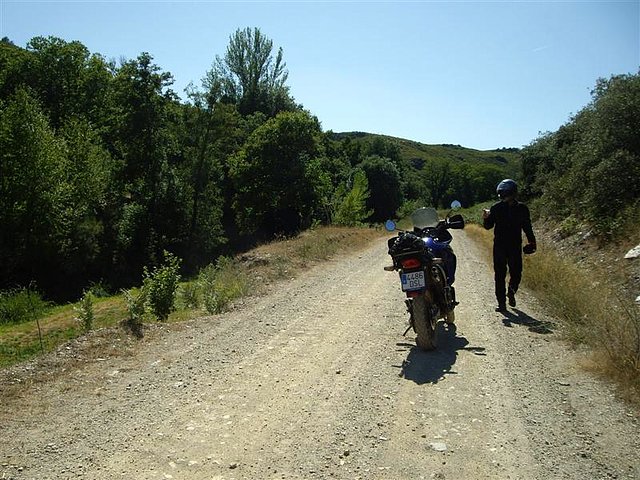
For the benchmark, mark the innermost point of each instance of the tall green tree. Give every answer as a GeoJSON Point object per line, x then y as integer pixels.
{"type": "Point", "coordinates": [385, 187]}
{"type": "Point", "coordinates": [14, 73]}
{"type": "Point", "coordinates": [249, 76]}
{"type": "Point", "coordinates": [212, 131]}
{"type": "Point", "coordinates": [33, 192]}
{"type": "Point", "coordinates": [471, 183]}
{"type": "Point", "coordinates": [384, 148]}
{"type": "Point", "coordinates": [69, 80]}
{"type": "Point", "coordinates": [88, 172]}
{"type": "Point", "coordinates": [437, 177]}
{"type": "Point", "coordinates": [275, 188]}
{"type": "Point", "coordinates": [152, 214]}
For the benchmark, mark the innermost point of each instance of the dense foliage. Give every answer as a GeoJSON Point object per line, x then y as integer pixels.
{"type": "Point", "coordinates": [589, 170]}
{"type": "Point", "coordinates": [103, 167]}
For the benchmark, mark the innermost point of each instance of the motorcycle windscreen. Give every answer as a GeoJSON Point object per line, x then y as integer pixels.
{"type": "Point", "coordinates": [425, 217]}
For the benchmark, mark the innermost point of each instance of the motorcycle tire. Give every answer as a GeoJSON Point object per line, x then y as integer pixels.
{"type": "Point", "coordinates": [450, 317]}
{"type": "Point", "coordinates": [424, 324]}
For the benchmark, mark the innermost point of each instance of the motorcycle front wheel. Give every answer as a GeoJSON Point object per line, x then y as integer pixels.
{"type": "Point", "coordinates": [423, 323]}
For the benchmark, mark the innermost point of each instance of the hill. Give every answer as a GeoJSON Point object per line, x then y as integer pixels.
{"type": "Point", "coordinates": [417, 153]}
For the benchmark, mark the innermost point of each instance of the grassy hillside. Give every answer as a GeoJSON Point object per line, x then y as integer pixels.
{"type": "Point", "coordinates": [417, 153]}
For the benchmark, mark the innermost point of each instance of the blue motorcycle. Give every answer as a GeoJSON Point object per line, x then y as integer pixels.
{"type": "Point", "coordinates": [426, 264]}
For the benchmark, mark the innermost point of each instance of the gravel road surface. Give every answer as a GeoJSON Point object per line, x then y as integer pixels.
{"type": "Point", "coordinates": [315, 380]}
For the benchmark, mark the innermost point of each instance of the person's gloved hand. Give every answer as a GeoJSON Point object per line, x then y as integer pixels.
{"type": "Point", "coordinates": [529, 248]}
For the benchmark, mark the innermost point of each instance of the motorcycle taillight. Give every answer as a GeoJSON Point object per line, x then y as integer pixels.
{"type": "Point", "coordinates": [410, 263]}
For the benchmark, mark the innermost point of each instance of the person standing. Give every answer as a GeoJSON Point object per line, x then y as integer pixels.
{"type": "Point", "coordinates": [509, 218]}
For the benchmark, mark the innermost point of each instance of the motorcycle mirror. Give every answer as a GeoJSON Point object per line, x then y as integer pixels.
{"type": "Point", "coordinates": [455, 205]}
{"type": "Point", "coordinates": [390, 225]}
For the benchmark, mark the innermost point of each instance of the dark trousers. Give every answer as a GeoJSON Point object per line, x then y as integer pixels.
{"type": "Point", "coordinates": [507, 256]}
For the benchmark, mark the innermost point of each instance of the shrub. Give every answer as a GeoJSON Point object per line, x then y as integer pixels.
{"type": "Point", "coordinates": [135, 308]}
{"type": "Point", "coordinates": [190, 295]}
{"type": "Point", "coordinates": [20, 306]}
{"type": "Point", "coordinates": [99, 290]}
{"type": "Point", "coordinates": [84, 311]}
{"type": "Point", "coordinates": [161, 286]}
{"type": "Point", "coordinates": [221, 284]}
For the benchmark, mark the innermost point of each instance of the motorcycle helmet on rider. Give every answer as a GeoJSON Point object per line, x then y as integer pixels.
{"type": "Point", "coordinates": [507, 188]}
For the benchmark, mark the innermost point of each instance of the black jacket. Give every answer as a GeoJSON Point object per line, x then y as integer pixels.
{"type": "Point", "coordinates": [509, 220]}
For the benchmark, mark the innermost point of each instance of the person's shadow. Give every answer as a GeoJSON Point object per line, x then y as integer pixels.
{"type": "Point", "coordinates": [518, 317]}
{"type": "Point", "coordinates": [423, 366]}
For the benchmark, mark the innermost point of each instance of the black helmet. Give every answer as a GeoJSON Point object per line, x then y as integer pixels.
{"type": "Point", "coordinates": [507, 188]}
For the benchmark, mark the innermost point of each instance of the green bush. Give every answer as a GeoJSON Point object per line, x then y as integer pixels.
{"type": "Point", "coordinates": [84, 311]}
{"type": "Point", "coordinates": [189, 294]}
{"type": "Point", "coordinates": [161, 286]}
{"type": "Point", "coordinates": [20, 306]}
{"type": "Point", "coordinates": [135, 308]}
{"type": "Point", "coordinates": [99, 290]}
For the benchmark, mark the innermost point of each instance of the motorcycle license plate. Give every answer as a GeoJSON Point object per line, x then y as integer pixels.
{"type": "Point", "coordinates": [412, 280]}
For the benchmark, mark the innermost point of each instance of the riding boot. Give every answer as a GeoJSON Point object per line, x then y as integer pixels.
{"type": "Point", "coordinates": [511, 295]}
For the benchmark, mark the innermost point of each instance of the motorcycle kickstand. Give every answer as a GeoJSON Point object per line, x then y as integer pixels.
{"type": "Point", "coordinates": [410, 312]}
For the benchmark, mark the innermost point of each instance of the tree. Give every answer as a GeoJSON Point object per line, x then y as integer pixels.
{"type": "Point", "coordinates": [33, 192]}
{"type": "Point", "coordinates": [588, 168]}
{"type": "Point", "coordinates": [249, 76]}
{"type": "Point", "coordinates": [14, 63]}
{"type": "Point", "coordinates": [437, 178]}
{"type": "Point", "coordinates": [88, 171]}
{"type": "Point", "coordinates": [210, 133]}
{"type": "Point", "coordinates": [472, 182]}
{"type": "Point", "coordinates": [275, 190]}
{"type": "Point", "coordinates": [352, 208]}
{"type": "Point", "coordinates": [381, 147]}
{"type": "Point", "coordinates": [59, 72]}
{"type": "Point", "coordinates": [152, 216]}
{"type": "Point", "coordinates": [384, 182]}
{"type": "Point", "coordinates": [329, 172]}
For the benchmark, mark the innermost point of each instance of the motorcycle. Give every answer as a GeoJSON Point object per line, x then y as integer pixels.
{"type": "Point", "coordinates": [426, 264]}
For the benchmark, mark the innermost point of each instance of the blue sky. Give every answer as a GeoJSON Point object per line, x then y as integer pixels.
{"type": "Point", "coordinates": [480, 74]}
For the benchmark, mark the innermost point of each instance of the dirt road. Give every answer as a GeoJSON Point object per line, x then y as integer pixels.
{"type": "Point", "coordinates": [316, 381]}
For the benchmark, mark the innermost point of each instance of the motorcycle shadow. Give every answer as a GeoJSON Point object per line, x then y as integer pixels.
{"type": "Point", "coordinates": [422, 366]}
{"type": "Point", "coordinates": [518, 317]}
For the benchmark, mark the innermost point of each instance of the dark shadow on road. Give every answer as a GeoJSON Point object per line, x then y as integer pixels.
{"type": "Point", "coordinates": [430, 367]}
{"type": "Point", "coordinates": [518, 317]}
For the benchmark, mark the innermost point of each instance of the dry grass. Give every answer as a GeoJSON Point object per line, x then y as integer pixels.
{"type": "Point", "coordinates": [261, 268]}
{"type": "Point", "coordinates": [584, 299]}
{"type": "Point", "coordinates": [297, 254]}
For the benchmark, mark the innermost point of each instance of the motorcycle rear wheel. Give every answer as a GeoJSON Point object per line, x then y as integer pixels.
{"type": "Point", "coordinates": [450, 317]}
{"type": "Point", "coordinates": [424, 324]}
